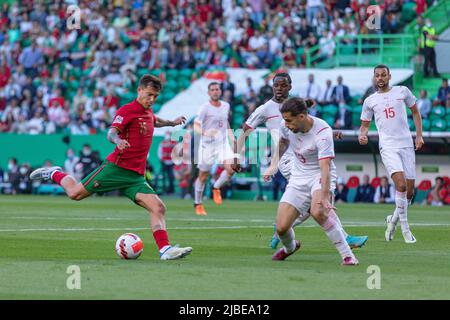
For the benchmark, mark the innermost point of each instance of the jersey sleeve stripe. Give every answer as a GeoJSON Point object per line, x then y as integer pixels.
{"type": "Point", "coordinates": [414, 104]}
{"type": "Point", "coordinates": [365, 120]}
{"type": "Point", "coordinates": [330, 157]}
{"type": "Point", "coordinates": [321, 130]}
{"type": "Point", "coordinates": [271, 117]}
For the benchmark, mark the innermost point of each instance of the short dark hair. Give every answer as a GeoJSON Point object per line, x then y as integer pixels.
{"type": "Point", "coordinates": [381, 66]}
{"type": "Point", "coordinates": [214, 83]}
{"type": "Point", "coordinates": [283, 75]}
{"type": "Point", "coordinates": [148, 80]}
{"type": "Point", "coordinates": [296, 106]}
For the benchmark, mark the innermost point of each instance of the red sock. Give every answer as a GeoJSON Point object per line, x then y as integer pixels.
{"type": "Point", "coordinates": [57, 176]}
{"type": "Point", "coordinates": [161, 238]}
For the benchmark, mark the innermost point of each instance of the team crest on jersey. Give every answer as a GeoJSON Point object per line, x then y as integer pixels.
{"type": "Point", "coordinates": [143, 127]}
{"type": "Point", "coordinates": [118, 119]}
{"type": "Point", "coordinates": [96, 184]}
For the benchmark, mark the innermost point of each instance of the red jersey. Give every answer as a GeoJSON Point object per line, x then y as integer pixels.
{"type": "Point", "coordinates": [136, 125]}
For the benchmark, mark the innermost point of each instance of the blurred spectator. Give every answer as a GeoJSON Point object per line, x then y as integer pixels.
{"type": "Point", "coordinates": [365, 191]}
{"type": "Point", "coordinates": [341, 193]}
{"type": "Point", "coordinates": [424, 104]}
{"type": "Point", "coordinates": [24, 185]}
{"type": "Point", "coordinates": [343, 118]}
{"type": "Point", "coordinates": [182, 174]}
{"type": "Point", "coordinates": [442, 94]}
{"type": "Point", "coordinates": [311, 90]}
{"type": "Point", "coordinates": [12, 174]}
{"type": "Point", "coordinates": [341, 93]}
{"type": "Point", "coordinates": [70, 162]}
{"type": "Point", "coordinates": [265, 92]}
{"type": "Point", "coordinates": [279, 183]}
{"type": "Point", "coordinates": [167, 166]}
{"type": "Point", "coordinates": [227, 85]}
{"type": "Point", "coordinates": [89, 159]}
{"type": "Point", "coordinates": [437, 194]}
{"type": "Point", "coordinates": [385, 192]}
{"type": "Point", "coordinates": [327, 95]}
{"type": "Point", "coordinates": [369, 91]}
{"type": "Point", "coordinates": [150, 176]}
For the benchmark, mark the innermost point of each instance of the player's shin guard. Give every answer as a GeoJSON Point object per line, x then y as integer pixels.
{"type": "Point", "coordinates": [199, 188]}
{"type": "Point", "coordinates": [223, 178]}
{"type": "Point", "coordinates": [288, 240]}
{"type": "Point", "coordinates": [401, 207]}
{"type": "Point", "coordinates": [333, 230]}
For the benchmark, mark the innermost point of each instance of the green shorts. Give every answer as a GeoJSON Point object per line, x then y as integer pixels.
{"type": "Point", "coordinates": [109, 177]}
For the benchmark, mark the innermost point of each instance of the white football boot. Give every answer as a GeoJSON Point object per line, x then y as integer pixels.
{"type": "Point", "coordinates": [43, 173]}
{"type": "Point", "coordinates": [390, 229]}
{"type": "Point", "coordinates": [408, 236]}
{"type": "Point", "coordinates": [175, 252]}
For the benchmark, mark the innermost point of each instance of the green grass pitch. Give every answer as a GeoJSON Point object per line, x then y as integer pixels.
{"type": "Point", "coordinates": [41, 236]}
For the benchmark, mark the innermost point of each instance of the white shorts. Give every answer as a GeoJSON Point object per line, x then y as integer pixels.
{"type": "Point", "coordinates": [210, 154]}
{"type": "Point", "coordinates": [299, 191]}
{"type": "Point", "coordinates": [285, 165]}
{"type": "Point", "coordinates": [399, 160]}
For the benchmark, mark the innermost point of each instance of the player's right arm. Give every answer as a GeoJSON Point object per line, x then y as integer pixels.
{"type": "Point", "coordinates": [366, 117]}
{"type": "Point", "coordinates": [282, 145]}
{"type": "Point", "coordinates": [119, 124]}
{"type": "Point", "coordinates": [113, 137]}
{"type": "Point", "coordinates": [363, 130]}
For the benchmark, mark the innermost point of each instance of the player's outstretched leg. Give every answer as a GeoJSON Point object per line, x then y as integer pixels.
{"type": "Point", "coordinates": [75, 190]}
{"type": "Point", "coordinates": [353, 241]}
{"type": "Point", "coordinates": [157, 211]}
{"type": "Point", "coordinates": [199, 188]}
{"type": "Point", "coordinates": [401, 210]}
{"type": "Point", "coordinates": [285, 218]}
{"type": "Point", "coordinates": [332, 229]}
{"type": "Point", "coordinates": [224, 177]}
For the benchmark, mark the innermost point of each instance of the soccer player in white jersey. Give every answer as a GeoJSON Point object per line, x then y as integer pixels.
{"type": "Point", "coordinates": [214, 148]}
{"type": "Point", "coordinates": [388, 106]}
{"type": "Point", "coordinates": [269, 113]}
{"type": "Point", "coordinates": [312, 182]}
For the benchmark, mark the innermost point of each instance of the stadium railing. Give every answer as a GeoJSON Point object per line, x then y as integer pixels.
{"type": "Point", "coordinates": [396, 50]}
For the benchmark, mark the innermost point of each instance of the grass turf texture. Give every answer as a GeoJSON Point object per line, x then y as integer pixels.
{"type": "Point", "coordinates": [42, 235]}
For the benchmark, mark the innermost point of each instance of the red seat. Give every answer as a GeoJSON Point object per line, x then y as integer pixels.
{"type": "Point", "coordinates": [446, 181]}
{"type": "Point", "coordinates": [353, 182]}
{"type": "Point", "coordinates": [424, 185]}
{"type": "Point", "coordinates": [375, 182]}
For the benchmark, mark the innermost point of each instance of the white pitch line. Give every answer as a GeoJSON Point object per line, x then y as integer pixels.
{"type": "Point", "coordinates": [199, 228]}
{"type": "Point", "coordinates": [134, 218]}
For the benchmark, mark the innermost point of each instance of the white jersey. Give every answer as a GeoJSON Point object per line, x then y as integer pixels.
{"type": "Point", "coordinates": [268, 113]}
{"type": "Point", "coordinates": [214, 118]}
{"type": "Point", "coordinates": [309, 148]}
{"type": "Point", "coordinates": [391, 118]}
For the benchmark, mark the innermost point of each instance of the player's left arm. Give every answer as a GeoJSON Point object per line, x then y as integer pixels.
{"type": "Point", "coordinates": [325, 183]}
{"type": "Point", "coordinates": [417, 118]}
{"type": "Point", "coordinates": [169, 123]}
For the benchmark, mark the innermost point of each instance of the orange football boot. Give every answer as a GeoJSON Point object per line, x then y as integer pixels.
{"type": "Point", "coordinates": [200, 210]}
{"type": "Point", "coordinates": [217, 197]}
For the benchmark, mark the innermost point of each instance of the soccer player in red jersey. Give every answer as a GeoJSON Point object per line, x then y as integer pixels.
{"type": "Point", "coordinates": [132, 133]}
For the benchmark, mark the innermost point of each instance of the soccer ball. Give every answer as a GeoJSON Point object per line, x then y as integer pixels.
{"type": "Point", "coordinates": [129, 246]}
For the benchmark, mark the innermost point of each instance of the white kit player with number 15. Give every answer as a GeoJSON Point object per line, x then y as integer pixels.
{"type": "Point", "coordinates": [388, 106]}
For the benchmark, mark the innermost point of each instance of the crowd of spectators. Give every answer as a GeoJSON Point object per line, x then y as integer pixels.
{"type": "Point", "coordinates": [54, 78]}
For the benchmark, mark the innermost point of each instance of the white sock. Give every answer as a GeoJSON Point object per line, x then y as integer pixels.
{"type": "Point", "coordinates": [338, 221]}
{"type": "Point", "coordinates": [223, 178]}
{"type": "Point", "coordinates": [288, 240]}
{"type": "Point", "coordinates": [199, 188]}
{"type": "Point", "coordinates": [301, 218]}
{"type": "Point", "coordinates": [334, 233]}
{"type": "Point", "coordinates": [401, 207]}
